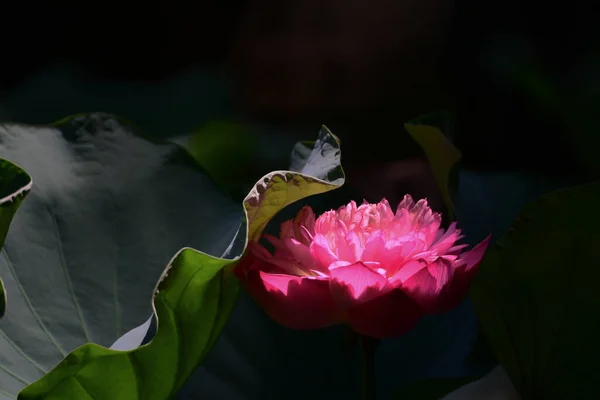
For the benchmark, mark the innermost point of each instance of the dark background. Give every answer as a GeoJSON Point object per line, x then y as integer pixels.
{"type": "Point", "coordinates": [361, 68]}
{"type": "Point", "coordinates": [505, 69]}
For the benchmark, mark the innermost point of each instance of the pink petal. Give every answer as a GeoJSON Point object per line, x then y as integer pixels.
{"type": "Point", "coordinates": [282, 262]}
{"type": "Point", "coordinates": [337, 264]}
{"type": "Point", "coordinates": [259, 251]}
{"type": "Point", "coordinates": [294, 302]}
{"type": "Point", "coordinates": [286, 229]}
{"type": "Point", "coordinates": [447, 240]}
{"type": "Point", "coordinates": [306, 218]}
{"type": "Point", "coordinates": [421, 209]}
{"type": "Point", "coordinates": [429, 224]}
{"type": "Point", "coordinates": [418, 217]}
{"type": "Point", "coordinates": [350, 247]}
{"type": "Point", "coordinates": [473, 257]}
{"type": "Point", "coordinates": [420, 245]}
{"type": "Point", "coordinates": [430, 285]}
{"type": "Point", "coordinates": [406, 271]}
{"type": "Point", "coordinates": [455, 250]}
{"type": "Point", "coordinates": [301, 253]}
{"type": "Point", "coordinates": [347, 213]}
{"type": "Point", "coordinates": [407, 202]}
{"type": "Point", "coordinates": [402, 223]}
{"type": "Point", "coordinates": [391, 314]}
{"type": "Point", "coordinates": [275, 241]}
{"type": "Point", "coordinates": [306, 237]}
{"type": "Point", "coordinates": [385, 211]}
{"type": "Point", "coordinates": [290, 267]}
{"type": "Point", "coordinates": [355, 284]}
{"type": "Point", "coordinates": [320, 251]}
{"type": "Point", "coordinates": [397, 252]}
{"type": "Point", "coordinates": [375, 247]}
{"type": "Point", "coordinates": [355, 220]}
{"type": "Point", "coordinates": [325, 222]}
{"type": "Point", "coordinates": [463, 276]}
{"type": "Point", "coordinates": [391, 254]}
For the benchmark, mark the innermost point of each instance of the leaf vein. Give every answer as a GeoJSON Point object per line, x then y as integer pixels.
{"type": "Point", "coordinates": [22, 352]}
{"type": "Point", "coordinates": [63, 264]}
{"type": "Point", "coordinates": [28, 301]}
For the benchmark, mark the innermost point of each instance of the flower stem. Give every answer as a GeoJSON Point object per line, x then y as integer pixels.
{"type": "Point", "coordinates": [368, 346]}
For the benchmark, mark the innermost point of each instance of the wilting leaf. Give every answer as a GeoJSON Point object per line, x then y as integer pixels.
{"type": "Point", "coordinates": [442, 156]}
{"type": "Point", "coordinates": [318, 158]}
{"type": "Point", "coordinates": [15, 184]}
{"type": "Point", "coordinates": [537, 299]}
{"type": "Point", "coordinates": [192, 302]}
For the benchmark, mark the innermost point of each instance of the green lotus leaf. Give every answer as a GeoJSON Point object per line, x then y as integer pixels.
{"type": "Point", "coordinates": [88, 249]}
{"type": "Point", "coordinates": [537, 300]}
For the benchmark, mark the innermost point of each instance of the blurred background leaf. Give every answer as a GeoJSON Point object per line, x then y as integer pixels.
{"type": "Point", "coordinates": [536, 300]}
{"type": "Point", "coordinates": [193, 300]}
{"type": "Point", "coordinates": [442, 156]}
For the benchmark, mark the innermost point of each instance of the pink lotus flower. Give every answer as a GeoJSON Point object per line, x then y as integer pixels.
{"type": "Point", "coordinates": [377, 271]}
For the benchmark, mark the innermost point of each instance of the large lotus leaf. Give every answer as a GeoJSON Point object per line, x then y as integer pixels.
{"type": "Point", "coordinates": [536, 296]}
{"type": "Point", "coordinates": [85, 251]}
{"type": "Point", "coordinates": [15, 184]}
{"type": "Point", "coordinates": [192, 302]}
